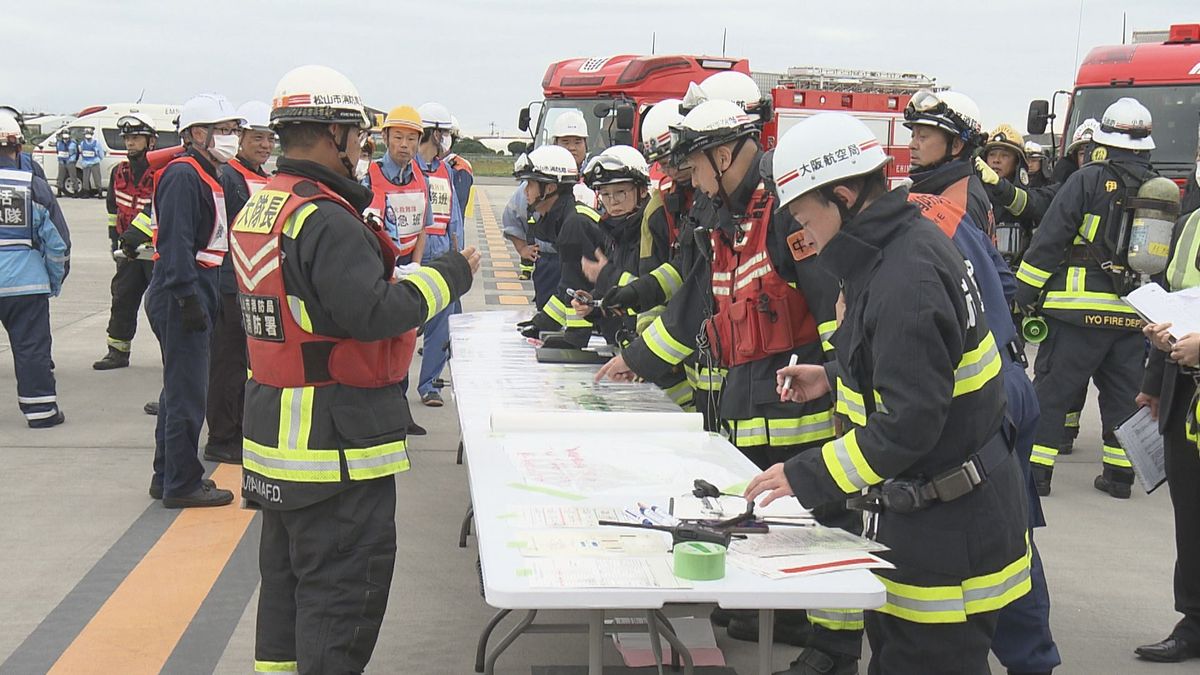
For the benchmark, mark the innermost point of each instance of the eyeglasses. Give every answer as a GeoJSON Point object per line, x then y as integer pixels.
{"type": "Point", "coordinates": [615, 195]}
{"type": "Point", "coordinates": [226, 130]}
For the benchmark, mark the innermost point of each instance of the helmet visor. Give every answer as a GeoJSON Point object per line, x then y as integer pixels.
{"type": "Point", "coordinates": [129, 125]}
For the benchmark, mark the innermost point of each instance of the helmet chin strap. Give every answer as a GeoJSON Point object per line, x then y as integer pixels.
{"type": "Point", "coordinates": [541, 197]}
{"type": "Point", "coordinates": [722, 194]}
{"type": "Point", "coordinates": [341, 148]}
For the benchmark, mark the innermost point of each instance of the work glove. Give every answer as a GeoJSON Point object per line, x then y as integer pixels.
{"type": "Point", "coordinates": [622, 297]}
{"type": "Point", "coordinates": [986, 173]}
{"type": "Point", "coordinates": [1026, 299]}
{"type": "Point", "coordinates": [194, 320]}
{"type": "Point", "coordinates": [130, 240]}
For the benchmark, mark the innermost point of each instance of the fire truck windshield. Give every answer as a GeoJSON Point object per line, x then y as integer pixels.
{"type": "Point", "coordinates": [597, 126]}
{"type": "Point", "coordinates": [1172, 109]}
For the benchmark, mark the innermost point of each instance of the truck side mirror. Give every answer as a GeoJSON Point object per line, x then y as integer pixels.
{"type": "Point", "coordinates": [523, 119]}
{"type": "Point", "coordinates": [622, 137]}
{"type": "Point", "coordinates": [602, 109]}
{"type": "Point", "coordinates": [625, 116]}
{"type": "Point", "coordinates": [1039, 114]}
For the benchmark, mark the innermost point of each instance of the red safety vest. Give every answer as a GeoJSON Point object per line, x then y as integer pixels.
{"type": "Point", "coordinates": [132, 196]}
{"type": "Point", "coordinates": [402, 205]}
{"type": "Point", "coordinates": [441, 196]}
{"type": "Point", "coordinates": [282, 352]}
{"type": "Point", "coordinates": [218, 239]}
{"type": "Point", "coordinates": [757, 312]}
{"type": "Point", "coordinates": [254, 181]}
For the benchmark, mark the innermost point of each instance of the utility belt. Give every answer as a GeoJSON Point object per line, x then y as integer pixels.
{"type": "Point", "coordinates": [1080, 256]}
{"type": "Point", "coordinates": [1016, 351]}
{"type": "Point", "coordinates": [902, 495]}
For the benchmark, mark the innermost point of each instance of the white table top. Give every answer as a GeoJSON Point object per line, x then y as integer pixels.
{"type": "Point", "coordinates": [495, 372]}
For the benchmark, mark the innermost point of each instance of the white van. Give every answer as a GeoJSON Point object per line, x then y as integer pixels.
{"type": "Point", "coordinates": [103, 119]}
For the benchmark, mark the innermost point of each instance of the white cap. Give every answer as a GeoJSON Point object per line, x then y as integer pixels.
{"type": "Point", "coordinates": [569, 123]}
{"type": "Point", "coordinates": [1125, 124]}
{"type": "Point", "coordinates": [821, 150]}
{"type": "Point", "coordinates": [205, 110]}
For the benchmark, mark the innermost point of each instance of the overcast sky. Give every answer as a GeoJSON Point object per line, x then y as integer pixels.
{"type": "Point", "coordinates": [484, 59]}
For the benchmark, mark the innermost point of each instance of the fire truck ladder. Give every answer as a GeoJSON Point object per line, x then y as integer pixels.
{"type": "Point", "coordinates": [856, 81]}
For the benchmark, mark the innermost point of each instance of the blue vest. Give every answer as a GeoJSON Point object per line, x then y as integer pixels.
{"type": "Point", "coordinates": [16, 209]}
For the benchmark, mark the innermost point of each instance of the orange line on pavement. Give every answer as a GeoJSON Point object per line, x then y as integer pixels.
{"type": "Point", "coordinates": [139, 625]}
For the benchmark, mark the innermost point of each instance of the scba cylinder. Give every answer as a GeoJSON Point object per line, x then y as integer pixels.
{"type": "Point", "coordinates": [1154, 212]}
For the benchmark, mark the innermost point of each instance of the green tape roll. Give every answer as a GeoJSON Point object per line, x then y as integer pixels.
{"type": "Point", "coordinates": [699, 561]}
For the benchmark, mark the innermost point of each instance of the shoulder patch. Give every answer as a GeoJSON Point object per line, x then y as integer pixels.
{"type": "Point", "coordinates": [1110, 186]}
{"type": "Point", "coordinates": [1099, 154]}
{"type": "Point", "coordinates": [259, 214]}
{"type": "Point", "coordinates": [801, 244]}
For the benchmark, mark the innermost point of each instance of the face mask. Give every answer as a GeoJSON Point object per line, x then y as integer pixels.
{"type": "Point", "coordinates": [224, 147]}
{"type": "Point", "coordinates": [364, 165]}
{"type": "Point", "coordinates": [87, 137]}
{"type": "Point", "coordinates": [447, 141]}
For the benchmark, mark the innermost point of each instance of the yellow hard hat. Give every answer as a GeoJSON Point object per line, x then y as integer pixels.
{"type": "Point", "coordinates": [403, 117]}
{"type": "Point", "coordinates": [1005, 136]}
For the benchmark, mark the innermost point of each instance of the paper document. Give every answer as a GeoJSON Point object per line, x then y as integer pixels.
{"type": "Point", "coordinates": [1144, 446]}
{"type": "Point", "coordinates": [609, 541]}
{"type": "Point", "coordinates": [695, 634]}
{"type": "Point", "coordinates": [791, 566]}
{"type": "Point", "coordinates": [605, 573]}
{"type": "Point", "coordinates": [1180, 309]}
{"type": "Point", "coordinates": [533, 517]}
{"type": "Point", "coordinates": [788, 541]}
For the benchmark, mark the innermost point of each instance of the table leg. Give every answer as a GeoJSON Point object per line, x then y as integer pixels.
{"type": "Point", "coordinates": [481, 650]}
{"type": "Point", "coordinates": [458, 460]}
{"type": "Point", "coordinates": [489, 666]}
{"type": "Point", "coordinates": [655, 640]}
{"type": "Point", "coordinates": [766, 639]}
{"type": "Point", "coordinates": [596, 642]}
{"type": "Point", "coordinates": [465, 529]}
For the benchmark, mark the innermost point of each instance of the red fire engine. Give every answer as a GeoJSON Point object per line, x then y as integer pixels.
{"type": "Point", "coordinates": [1164, 75]}
{"type": "Point", "coordinates": [612, 94]}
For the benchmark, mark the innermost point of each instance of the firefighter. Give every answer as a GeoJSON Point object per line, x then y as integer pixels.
{"type": "Point", "coordinates": [1066, 275]}
{"type": "Point", "coordinates": [945, 133]}
{"type": "Point", "coordinates": [570, 131]}
{"type": "Point", "coordinates": [549, 176]}
{"type": "Point", "coordinates": [918, 377]}
{"type": "Point", "coordinates": [91, 153]}
{"type": "Point", "coordinates": [330, 336]}
{"type": "Point", "coordinates": [1077, 153]}
{"type": "Point", "coordinates": [1169, 389]}
{"type": "Point", "coordinates": [1016, 205]}
{"type": "Point", "coordinates": [130, 191]}
{"type": "Point", "coordinates": [33, 262]}
{"type": "Point", "coordinates": [240, 179]}
{"type": "Point", "coordinates": [440, 237]}
{"type": "Point", "coordinates": [1035, 158]}
{"type": "Point", "coordinates": [190, 241]}
{"type": "Point", "coordinates": [68, 154]}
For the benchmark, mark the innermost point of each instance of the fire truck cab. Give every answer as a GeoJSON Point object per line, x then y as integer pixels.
{"type": "Point", "coordinates": [1164, 75]}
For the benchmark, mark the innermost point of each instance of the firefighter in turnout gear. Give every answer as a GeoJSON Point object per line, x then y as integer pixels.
{"type": "Point", "coordinates": [330, 336]}
{"type": "Point", "coordinates": [130, 191]}
{"type": "Point", "coordinates": [550, 175]}
{"type": "Point", "coordinates": [945, 132]}
{"type": "Point", "coordinates": [918, 377]}
{"type": "Point", "coordinates": [1074, 273]}
{"type": "Point", "coordinates": [1016, 205]}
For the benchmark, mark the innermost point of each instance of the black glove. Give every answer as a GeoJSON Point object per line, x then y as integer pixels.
{"type": "Point", "coordinates": [1026, 299]}
{"type": "Point", "coordinates": [113, 240]}
{"type": "Point", "coordinates": [622, 297]}
{"type": "Point", "coordinates": [194, 320]}
{"type": "Point", "coordinates": [130, 240]}
{"type": "Point", "coordinates": [528, 329]}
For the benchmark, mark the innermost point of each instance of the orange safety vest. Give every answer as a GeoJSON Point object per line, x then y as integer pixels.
{"type": "Point", "coordinates": [402, 205]}
{"type": "Point", "coordinates": [218, 239]}
{"type": "Point", "coordinates": [441, 196]}
{"type": "Point", "coordinates": [254, 181]}
{"type": "Point", "coordinates": [283, 350]}
{"type": "Point", "coordinates": [132, 197]}
{"type": "Point", "coordinates": [758, 313]}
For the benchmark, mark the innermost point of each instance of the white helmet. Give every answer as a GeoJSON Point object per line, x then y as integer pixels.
{"type": "Point", "coordinates": [10, 132]}
{"type": "Point", "coordinates": [694, 96]}
{"type": "Point", "coordinates": [256, 115]}
{"type": "Point", "coordinates": [547, 164]}
{"type": "Point", "coordinates": [730, 85]}
{"type": "Point", "coordinates": [1083, 134]}
{"type": "Point", "coordinates": [455, 130]}
{"type": "Point", "coordinates": [821, 150]}
{"type": "Point", "coordinates": [712, 123]}
{"type": "Point", "coordinates": [435, 116]}
{"type": "Point", "coordinates": [949, 111]}
{"type": "Point", "coordinates": [656, 128]}
{"type": "Point", "coordinates": [618, 164]}
{"type": "Point", "coordinates": [317, 94]}
{"type": "Point", "coordinates": [569, 123]}
{"type": "Point", "coordinates": [206, 110]}
{"type": "Point", "coordinates": [1125, 124]}
{"type": "Point", "coordinates": [1034, 150]}
{"type": "Point", "coordinates": [136, 124]}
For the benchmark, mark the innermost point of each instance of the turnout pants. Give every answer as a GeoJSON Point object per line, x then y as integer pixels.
{"type": "Point", "coordinates": [26, 318]}
{"type": "Point", "coordinates": [1183, 479]}
{"type": "Point", "coordinates": [1070, 356]}
{"type": "Point", "coordinates": [185, 387]}
{"type": "Point", "coordinates": [900, 647]}
{"type": "Point", "coordinates": [227, 377]}
{"type": "Point", "coordinates": [326, 572]}
{"type": "Point", "coordinates": [547, 272]}
{"type": "Point", "coordinates": [129, 284]}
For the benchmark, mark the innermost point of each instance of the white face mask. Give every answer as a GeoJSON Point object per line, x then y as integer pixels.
{"type": "Point", "coordinates": [447, 141]}
{"type": "Point", "coordinates": [224, 147]}
{"type": "Point", "coordinates": [364, 165]}
{"type": "Point", "coordinates": [1198, 173]}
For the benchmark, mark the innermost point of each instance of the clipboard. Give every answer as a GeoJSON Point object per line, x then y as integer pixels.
{"type": "Point", "coordinates": [1143, 444]}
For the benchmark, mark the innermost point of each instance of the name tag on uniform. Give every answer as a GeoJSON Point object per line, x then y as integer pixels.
{"type": "Point", "coordinates": [14, 207]}
{"type": "Point", "coordinates": [259, 214]}
{"type": "Point", "coordinates": [260, 317]}
{"type": "Point", "coordinates": [801, 244]}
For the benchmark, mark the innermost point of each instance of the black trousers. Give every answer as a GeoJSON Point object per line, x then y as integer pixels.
{"type": "Point", "coordinates": [26, 318]}
{"type": "Point", "coordinates": [326, 572]}
{"type": "Point", "coordinates": [129, 284]}
{"type": "Point", "coordinates": [1183, 479]}
{"type": "Point", "coordinates": [226, 376]}
{"type": "Point", "coordinates": [900, 647]}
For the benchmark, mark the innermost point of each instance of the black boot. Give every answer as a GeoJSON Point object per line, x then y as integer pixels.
{"type": "Point", "coordinates": [816, 662]}
{"type": "Point", "coordinates": [223, 453]}
{"type": "Point", "coordinates": [115, 358]}
{"type": "Point", "coordinates": [1042, 475]}
{"type": "Point", "coordinates": [1117, 484]}
{"type": "Point", "coordinates": [151, 408]}
{"type": "Point", "coordinates": [47, 422]}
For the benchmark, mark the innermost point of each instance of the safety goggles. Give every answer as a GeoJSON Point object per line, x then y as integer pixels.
{"type": "Point", "coordinates": [1132, 132]}
{"type": "Point", "coordinates": [130, 125]}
